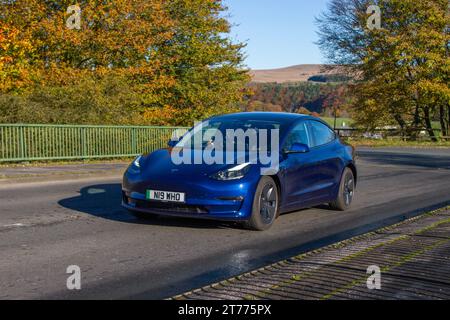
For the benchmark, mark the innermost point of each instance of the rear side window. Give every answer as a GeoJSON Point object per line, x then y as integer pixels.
{"type": "Point", "coordinates": [320, 133]}
{"type": "Point", "coordinates": [299, 134]}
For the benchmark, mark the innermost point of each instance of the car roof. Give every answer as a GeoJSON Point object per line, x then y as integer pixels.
{"type": "Point", "coordinates": [282, 117]}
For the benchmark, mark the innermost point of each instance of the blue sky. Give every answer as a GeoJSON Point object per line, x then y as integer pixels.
{"type": "Point", "coordinates": [279, 33]}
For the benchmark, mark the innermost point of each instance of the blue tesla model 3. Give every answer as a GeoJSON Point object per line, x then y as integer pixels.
{"type": "Point", "coordinates": [313, 167]}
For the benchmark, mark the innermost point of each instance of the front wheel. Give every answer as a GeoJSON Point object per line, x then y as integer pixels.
{"type": "Point", "coordinates": [346, 191]}
{"type": "Point", "coordinates": [265, 205]}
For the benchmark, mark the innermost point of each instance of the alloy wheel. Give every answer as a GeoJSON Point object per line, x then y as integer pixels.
{"type": "Point", "coordinates": [268, 203]}
{"type": "Point", "coordinates": [349, 188]}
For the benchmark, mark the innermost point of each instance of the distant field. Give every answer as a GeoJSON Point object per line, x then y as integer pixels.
{"type": "Point", "coordinates": [340, 122]}
{"type": "Point", "coordinates": [290, 74]}
{"type": "Point", "coordinates": [348, 122]}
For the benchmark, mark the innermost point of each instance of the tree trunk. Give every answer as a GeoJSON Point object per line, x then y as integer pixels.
{"type": "Point", "coordinates": [415, 126]}
{"type": "Point", "coordinates": [448, 119]}
{"type": "Point", "coordinates": [426, 112]}
{"type": "Point", "coordinates": [442, 121]}
{"type": "Point", "coordinates": [402, 125]}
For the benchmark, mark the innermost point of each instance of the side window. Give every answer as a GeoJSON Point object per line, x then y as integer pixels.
{"type": "Point", "coordinates": [299, 134]}
{"type": "Point", "coordinates": [320, 133]}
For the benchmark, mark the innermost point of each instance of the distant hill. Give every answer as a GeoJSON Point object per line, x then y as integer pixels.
{"type": "Point", "coordinates": [303, 72]}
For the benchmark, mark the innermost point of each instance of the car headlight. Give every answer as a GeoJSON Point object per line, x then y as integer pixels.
{"type": "Point", "coordinates": [234, 173]}
{"type": "Point", "coordinates": [135, 166]}
{"type": "Point", "coordinates": [137, 162]}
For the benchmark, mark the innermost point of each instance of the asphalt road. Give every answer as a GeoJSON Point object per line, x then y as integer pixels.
{"type": "Point", "coordinates": [47, 226]}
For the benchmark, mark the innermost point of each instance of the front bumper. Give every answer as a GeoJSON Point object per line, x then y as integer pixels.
{"type": "Point", "coordinates": [205, 198]}
{"type": "Point", "coordinates": [216, 210]}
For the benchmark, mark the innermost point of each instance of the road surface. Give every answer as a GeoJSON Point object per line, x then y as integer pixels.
{"type": "Point", "coordinates": [412, 259]}
{"type": "Point", "coordinates": [48, 225]}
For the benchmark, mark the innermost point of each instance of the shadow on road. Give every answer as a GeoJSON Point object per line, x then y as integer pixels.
{"type": "Point", "coordinates": [104, 201]}
{"type": "Point", "coordinates": [410, 159]}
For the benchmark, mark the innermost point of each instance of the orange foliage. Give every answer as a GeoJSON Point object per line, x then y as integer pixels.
{"type": "Point", "coordinates": [173, 55]}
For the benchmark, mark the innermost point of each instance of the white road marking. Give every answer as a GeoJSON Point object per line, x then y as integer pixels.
{"type": "Point", "coordinates": [12, 185]}
{"type": "Point", "coordinates": [14, 225]}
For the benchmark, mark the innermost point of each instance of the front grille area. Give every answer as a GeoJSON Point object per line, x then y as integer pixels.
{"type": "Point", "coordinates": [156, 207]}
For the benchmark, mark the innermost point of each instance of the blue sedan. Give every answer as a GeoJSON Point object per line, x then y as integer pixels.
{"type": "Point", "coordinates": [198, 176]}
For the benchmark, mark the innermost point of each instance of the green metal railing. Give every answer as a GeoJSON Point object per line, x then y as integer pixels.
{"type": "Point", "coordinates": [27, 142]}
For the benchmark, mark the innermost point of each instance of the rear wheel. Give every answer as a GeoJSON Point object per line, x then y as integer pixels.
{"type": "Point", "coordinates": [142, 216]}
{"type": "Point", "coordinates": [265, 205]}
{"type": "Point", "coordinates": [346, 191]}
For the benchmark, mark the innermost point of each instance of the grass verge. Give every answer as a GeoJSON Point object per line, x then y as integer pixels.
{"type": "Point", "coordinates": [396, 143]}
{"type": "Point", "coordinates": [50, 163]}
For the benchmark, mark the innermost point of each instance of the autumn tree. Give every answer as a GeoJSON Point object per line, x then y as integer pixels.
{"type": "Point", "coordinates": [403, 67]}
{"type": "Point", "coordinates": [256, 105]}
{"type": "Point", "coordinates": [14, 62]}
{"type": "Point", "coordinates": [209, 72]}
{"type": "Point", "coordinates": [336, 103]}
{"type": "Point", "coordinates": [168, 55]}
{"type": "Point", "coordinates": [315, 96]}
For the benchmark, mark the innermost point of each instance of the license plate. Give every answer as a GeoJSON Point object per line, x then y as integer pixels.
{"type": "Point", "coordinates": [166, 196]}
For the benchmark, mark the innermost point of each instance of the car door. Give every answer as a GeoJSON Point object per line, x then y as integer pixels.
{"type": "Point", "coordinates": [297, 169]}
{"type": "Point", "coordinates": [324, 153]}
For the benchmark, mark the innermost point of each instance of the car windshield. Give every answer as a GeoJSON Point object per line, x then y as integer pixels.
{"type": "Point", "coordinates": [237, 135]}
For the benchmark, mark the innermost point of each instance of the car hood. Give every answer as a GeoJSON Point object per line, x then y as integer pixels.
{"type": "Point", "coordinates": [159, 164]}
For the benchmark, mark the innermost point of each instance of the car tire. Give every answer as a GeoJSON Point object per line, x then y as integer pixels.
{"type": "Point", "coordinates": [142, 216]}
{"type": "Point", "coordinates": [346, 191]}
{"type": "Point", "coordinates": [265, 205]}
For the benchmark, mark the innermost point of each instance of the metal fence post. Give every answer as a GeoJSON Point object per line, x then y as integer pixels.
{"type": "Point", "coordinates": [83, 142]}
{"type": "Point", "coordinates": [22, 142]}
{"type": "Point", "coordinates": [133, 141]}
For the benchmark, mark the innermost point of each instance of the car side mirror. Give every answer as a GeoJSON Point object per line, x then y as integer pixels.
{"type": "Point", "coordinates": [298, 148]}
{"type": "Point", "coordinates": [172, 143]}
